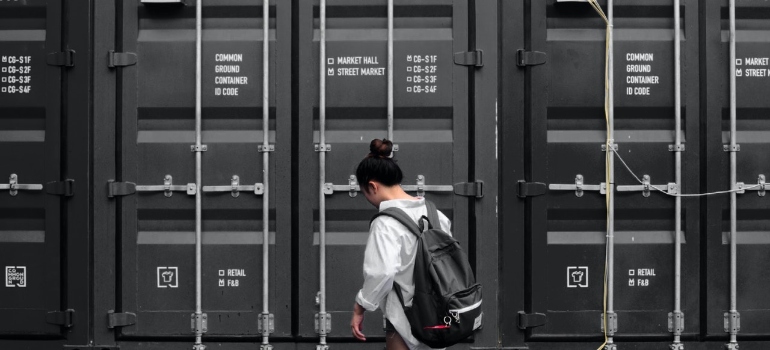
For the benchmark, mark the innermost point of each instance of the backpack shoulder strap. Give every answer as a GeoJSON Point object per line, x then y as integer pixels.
{"type": "Point", "coordinates": [402, 217]}
{"type": "Point", "coordinates": [433, 215]}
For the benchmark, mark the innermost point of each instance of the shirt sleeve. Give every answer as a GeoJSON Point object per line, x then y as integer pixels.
{"type": "Point", "coordinates": [381, 261]}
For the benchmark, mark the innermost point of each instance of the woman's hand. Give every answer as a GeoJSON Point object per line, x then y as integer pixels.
{"type": "Point", "coordinates": [357, 321]}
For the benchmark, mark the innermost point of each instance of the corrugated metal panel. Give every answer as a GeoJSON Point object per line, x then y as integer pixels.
{"type": "Point", "coordinates": [752, 82]}
{"type": "Point", "coordinates": [430, 129]}
{"type": "Point", "coordinates": [567, 129]}
{"type": "Point", "coordinates": [30, 153]}
{"type": "Point", "coordinates": [155, 131]}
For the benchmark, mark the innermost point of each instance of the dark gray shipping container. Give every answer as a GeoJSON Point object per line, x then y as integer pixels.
{"type": "Point", "coordinates": [564, 131]}
{"type": "Point", "coordinates": [149, 127]}
{"type": "Point", "coordinates": [44, 157]}
{"type": "Point", "coordinates": [30, 98]}
{"type": "Point", "coordinates": [498, 114]}
{"type": "Point", "coordinates": [432, 128]}
{"type": "Point", "coordinates": [752, 29]}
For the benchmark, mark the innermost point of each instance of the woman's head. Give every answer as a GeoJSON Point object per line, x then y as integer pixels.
{"type": "Point", "coordinates": [378, 168]}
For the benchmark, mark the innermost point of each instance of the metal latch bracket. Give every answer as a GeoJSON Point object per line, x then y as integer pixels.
{"type": "Point", "coordinates": [469, 189]}
{"type": "Point", "coordinates": [676, 148]}
{"type": "Point", "coordinates": [61, 318]}
{"type": "Point", "coordinates": [266, 323]}
{"type": "Point", "coordinates": [323, 323]}
{"type": "Point", "coordinates": [676, 322]}
{"type": "Point", "coordinates": [612, 323]}
{"type": "Point", "coordinates": [728, 148]}
{"type": "Point", "coordinates": [526, 189]}
{"type": "Point", "coordinates": [323, 148]}
{"type": "Point", "coordinates": [201, 148]}
{"type": "Point", "coordinates": [61, 59]}
{"type": "Point", "coordinates": [269, 148]}
{"type": "Point", "coordinates": [530, 58]}
{"type": "Point", "coordinates": [473, 58]}
{"type": "Point", "coordinates": [120, 319]}
{"type": "Point", "coordinates": [199, 323]}
{"type": "Point", "coordinates": [531, 320]}
{"type": "Point", "coordinates": [732, 322]}
{"type": "Point", "coordinates": [120, 59]}
{"type": "Point", "coordinates": [120, 188]}
{"type": "Point", "coordinates": [64, 188]}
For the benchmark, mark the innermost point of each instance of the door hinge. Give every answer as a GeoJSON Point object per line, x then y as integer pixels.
{"type": "Point", "coordinates": [530, 189]}
{"type": "Point", "coordinates": [64, 188]}
{"type": "Point", "coordinates": [120, 319]}
{"type": "Point", "coordinates": [470, 189]}
{"type": "Point", "coordinates": [61, 59]}
{"type": "Point", "coordinates": [531, 320]}
{"type": "Point", "coordinates": [120, 188]}
{"type": "Point", "coordinates": [121, 59]}
{"type": "Point", "coordinates": [530, 58]}
{"type": "Point", "coordinates": [61, 318]}
{"type": "Point", "coordinates": [469, 58]}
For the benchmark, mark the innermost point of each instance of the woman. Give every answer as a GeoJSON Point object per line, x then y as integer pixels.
{"type": "Point", "coordinates": [391, 248]}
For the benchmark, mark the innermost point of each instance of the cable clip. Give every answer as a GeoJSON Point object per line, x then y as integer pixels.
{"type": "Point", "coordinates": [611, 144]}
{"type": "Point", "coordinates": [676, 148]}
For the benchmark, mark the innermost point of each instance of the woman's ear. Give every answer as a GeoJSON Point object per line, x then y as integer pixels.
{"type": "Point", "coordinates": [373, 187]}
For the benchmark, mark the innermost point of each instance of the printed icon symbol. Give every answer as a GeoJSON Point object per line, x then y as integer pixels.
{"type": "Point", "coordinates": [631, 272]}
{"type": "Point", "coordinates": [577, 277]}
{"type": "Point", "coordinates": [738, 61]}
{"type": "Point", "coordinates": [330, 60]}
{"type": "Point", "coordinates": [221, 273]}
{"type": "Point", "coordinates": [221, 282]}
{"type": "Point", "coordinates": [631, 282]}
{"type": "Point", "coordinates": [168, 277]}
{"type": "Point", "coordinates": [739, 72]}
{"type": "Point", "coordinates": [330, 71]}
{"type": "Point", "coordinates": [15, 276]}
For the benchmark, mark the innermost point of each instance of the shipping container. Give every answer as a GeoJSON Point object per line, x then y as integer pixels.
{"type": "Point", "coordinates": [564, 133]}
{"type": "Point", "coordinates": [43, 106]}
{"type": "Point", "coordinates": [752, 125]}
{"type": "Point", "coordinates": [149, 160]}
{"type": "Point", "coordinates": [423, 106]}
{"type": "Point", "coordinates": [170, 191]}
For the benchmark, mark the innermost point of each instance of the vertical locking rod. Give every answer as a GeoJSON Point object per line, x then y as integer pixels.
{"type": "Point", "coordinates": [265, 171]}
{"type": "Point", "coordinates": [390, 70]}
{"type": "Point", "coordinates": [198, 45]}
{"type": "Point", "coordinates": [322, 174]}
{"type": "Point", "coordinates": [733, 180]}
{"type": "Point", "coordinates": [611, 166]}
{"type": "Point", "coordinates": [677, 178]}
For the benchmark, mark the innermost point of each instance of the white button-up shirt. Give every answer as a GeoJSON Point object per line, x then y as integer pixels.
{"type": "Point", "coordinates": [389, 258]}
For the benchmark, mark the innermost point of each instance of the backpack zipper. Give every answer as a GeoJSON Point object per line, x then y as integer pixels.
{"type": "Point", "coordinates": [456, 312]}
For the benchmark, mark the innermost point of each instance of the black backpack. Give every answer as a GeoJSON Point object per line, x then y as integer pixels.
{"type": "Point", "coordinates": [447, 300]}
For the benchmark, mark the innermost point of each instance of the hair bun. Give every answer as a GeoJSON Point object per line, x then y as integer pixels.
{"type": "Point", "coordinates": [380, 148]}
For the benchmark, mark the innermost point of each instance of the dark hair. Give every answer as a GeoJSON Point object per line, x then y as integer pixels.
{"type": "Point", "coordinates": [379, 165]}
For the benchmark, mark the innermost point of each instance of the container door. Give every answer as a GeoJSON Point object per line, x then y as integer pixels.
{"type": "Point", "coordinates": [567, 131]}
{"type": "Point", "coordinates": [157, 129]}
{"type": "Point", "coordinates": [430, 129]}
{"type": "Point", "coordinates": [30, 155]}
{"type": "Point", "coordinates": [753, 126]}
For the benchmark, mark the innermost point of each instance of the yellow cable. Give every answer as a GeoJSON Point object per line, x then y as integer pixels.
{"type": "Point", "coordinates": [608, 142]}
